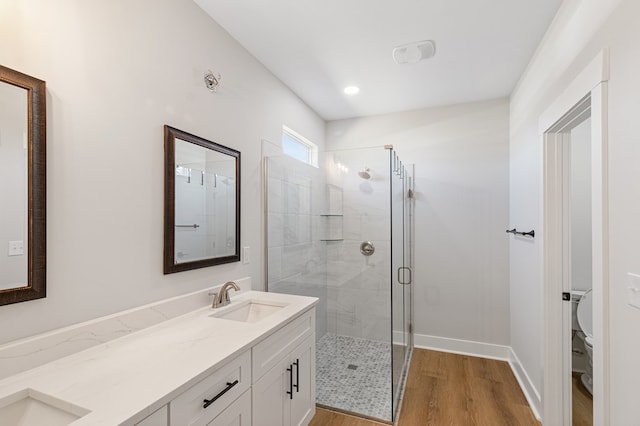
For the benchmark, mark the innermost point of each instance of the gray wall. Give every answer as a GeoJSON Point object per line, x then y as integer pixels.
{"type": "Point", "coordinates": [116, 72]}
{"type": "Point", "coordinates": [461, 162]}
{"type": "Point", "coordinates": [580, 31]}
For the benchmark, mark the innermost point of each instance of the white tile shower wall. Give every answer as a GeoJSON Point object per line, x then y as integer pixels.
{"type": "Point", "coordinates": [295, 254]}
{"type": "Point", "coordinates": [358, 286]}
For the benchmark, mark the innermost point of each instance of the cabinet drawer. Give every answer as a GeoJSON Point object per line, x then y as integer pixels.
{"type": "Point", "coordinates": [159, 418]}
{"type": "Point", "coordinates": [187, 409]}
{"type": "Point", "coordinates": [237, 414]}
{"type": "Point", "coordinates": [274, 348]}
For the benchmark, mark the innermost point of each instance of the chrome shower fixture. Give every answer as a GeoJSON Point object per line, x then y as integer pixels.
{"type": "Point", "coordinates": [365, 174]}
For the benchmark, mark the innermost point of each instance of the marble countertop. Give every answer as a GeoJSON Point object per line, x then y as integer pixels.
{"type": "Point", "coordinates": [124, 380]}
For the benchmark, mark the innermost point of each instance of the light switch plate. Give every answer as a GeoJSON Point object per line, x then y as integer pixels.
{"type": "Point", "coordinates": [16, 248]}
{"type": "Point", "coordinates": [634, 290]}
{"type": "Point", "coordinates": [246, 255]}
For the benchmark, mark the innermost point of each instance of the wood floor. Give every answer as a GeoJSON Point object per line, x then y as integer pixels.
{"type": "Point", "coordinates": [330, 418]}
{"type": "Point", "coordinates": [582, 403]}
{"type": "Point", "coordinates": [448, 389]}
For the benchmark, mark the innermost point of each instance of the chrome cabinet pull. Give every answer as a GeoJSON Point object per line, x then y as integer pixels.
{"type": "Point", "coordinates": [208, 402]}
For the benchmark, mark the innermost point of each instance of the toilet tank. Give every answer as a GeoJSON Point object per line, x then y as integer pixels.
{"type": "Point", "coordinates": [575, 298]}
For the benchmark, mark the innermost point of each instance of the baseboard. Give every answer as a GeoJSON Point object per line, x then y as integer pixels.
{"type": "Point", "coordinates": [462, 347]}
{"type": "Point", "coordinates": [486, 350]}
{"type": "Point", "coordinates": [529, 390]}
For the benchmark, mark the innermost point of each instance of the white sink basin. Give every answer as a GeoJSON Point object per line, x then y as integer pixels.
{"type": "Point", "coordinates": [249, 311]}
{"type": "Point", "coordinates": [29, 407]}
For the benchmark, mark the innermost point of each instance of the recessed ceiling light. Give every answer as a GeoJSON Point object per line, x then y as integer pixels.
{"type": "Point", "coordinates": [351, 90]}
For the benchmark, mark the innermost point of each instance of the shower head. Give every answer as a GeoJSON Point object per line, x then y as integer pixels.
{"type": "Point", "coordinates": [364, 174]}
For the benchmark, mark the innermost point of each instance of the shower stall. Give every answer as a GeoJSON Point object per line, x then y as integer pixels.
{"type": "Point", "coordinates": [343, 232]}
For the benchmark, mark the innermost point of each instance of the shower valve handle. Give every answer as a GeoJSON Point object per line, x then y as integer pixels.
{"type": "Point", "coordinates": [367, 248]}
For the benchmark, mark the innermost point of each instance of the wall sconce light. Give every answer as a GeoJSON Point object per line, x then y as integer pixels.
{"type": "Point", "coordinates": [211, 81]}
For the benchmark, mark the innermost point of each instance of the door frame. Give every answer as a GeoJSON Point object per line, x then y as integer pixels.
{"type": "Point", "coordinates": [586, 94]}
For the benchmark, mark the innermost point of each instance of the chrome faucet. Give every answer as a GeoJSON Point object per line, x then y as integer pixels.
{"type": "Point", "coordinates": [222, 297]}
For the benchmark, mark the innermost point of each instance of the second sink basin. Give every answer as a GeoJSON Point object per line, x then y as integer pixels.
{"type": "Point", "coordinates": [248, 311]}
{"type": "Point", "coordinates": [29, 407]}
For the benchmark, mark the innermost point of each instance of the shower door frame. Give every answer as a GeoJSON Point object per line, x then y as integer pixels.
{"type": "Point", "coordinates": [406, 216]}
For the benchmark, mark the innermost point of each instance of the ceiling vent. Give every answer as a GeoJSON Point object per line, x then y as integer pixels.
{"type": "Point", "coordinates": [414, 52]}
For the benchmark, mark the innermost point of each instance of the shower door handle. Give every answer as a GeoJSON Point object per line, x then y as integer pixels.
{"type": "Point", "coordinates": [400, 280]}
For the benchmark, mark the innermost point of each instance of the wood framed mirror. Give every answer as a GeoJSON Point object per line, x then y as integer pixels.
{"type": "Point", "coordinates": [22, 187]}
{"type": "Point", "coordinates": [201, 202]}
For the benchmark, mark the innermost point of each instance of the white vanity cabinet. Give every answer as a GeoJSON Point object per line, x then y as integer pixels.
{"type": "Point", "coordinates": [159, 418]}
{"type": "Point", "coordinates": [236, 414]}
{"type": "Point", "coordinates": [271, 384]}
{"type": "Point", "coordinates": [242, 358]}
{"type": "Point", "coordinates": [206, 400]}
{"type": "Point", "coordinates": [303, 402]}
{"type": "Point", "coordinates": [284, 375]}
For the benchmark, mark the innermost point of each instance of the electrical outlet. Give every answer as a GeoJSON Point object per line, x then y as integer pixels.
{"type": "Point", "coordinates": [246, 255]}
{"type": "Point", "coordinates": [16, 248]}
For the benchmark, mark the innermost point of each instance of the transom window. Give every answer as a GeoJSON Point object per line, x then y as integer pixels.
{"type": "Point", "coordinates": [297, 146]}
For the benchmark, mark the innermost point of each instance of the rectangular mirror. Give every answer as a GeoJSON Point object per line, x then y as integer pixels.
{"type": "Point", "coordinates": [202, 202]}
{"type": "Point", "coordinates": [22, 187]}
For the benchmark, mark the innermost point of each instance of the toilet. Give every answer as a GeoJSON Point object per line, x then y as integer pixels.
{"type": "Point", "coordinates": [585, 320]}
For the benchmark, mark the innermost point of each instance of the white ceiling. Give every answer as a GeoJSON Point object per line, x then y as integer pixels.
{"type": "Point", "coordinates": [318, 47]}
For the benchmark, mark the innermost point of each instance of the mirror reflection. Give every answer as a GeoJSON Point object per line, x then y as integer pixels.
{"type": "Point", "coordinates": [205, 189]}
{"type": "Point", "coordinates": [13, 186]}
{"type": "Point", "coordinates": [202, 202]}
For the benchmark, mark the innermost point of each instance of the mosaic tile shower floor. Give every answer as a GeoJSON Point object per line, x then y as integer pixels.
{"type": "Point", "coordinates": [354, 375]}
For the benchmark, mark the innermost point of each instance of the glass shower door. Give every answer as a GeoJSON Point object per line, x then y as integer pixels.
{"type": "Point", "coordinates": [338, 232]}
{"type": "Point", "coordinates": [400, 274]}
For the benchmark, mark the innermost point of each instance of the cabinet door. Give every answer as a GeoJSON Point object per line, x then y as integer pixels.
{"type": "Point", "coordinates": [304, 373]}
{"type": "Point", "coordinates": [270, 401]}
{"type": "Point", "coordinates": [236, 414]}
{"type": "Point", "coordinates": [272, 350]}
